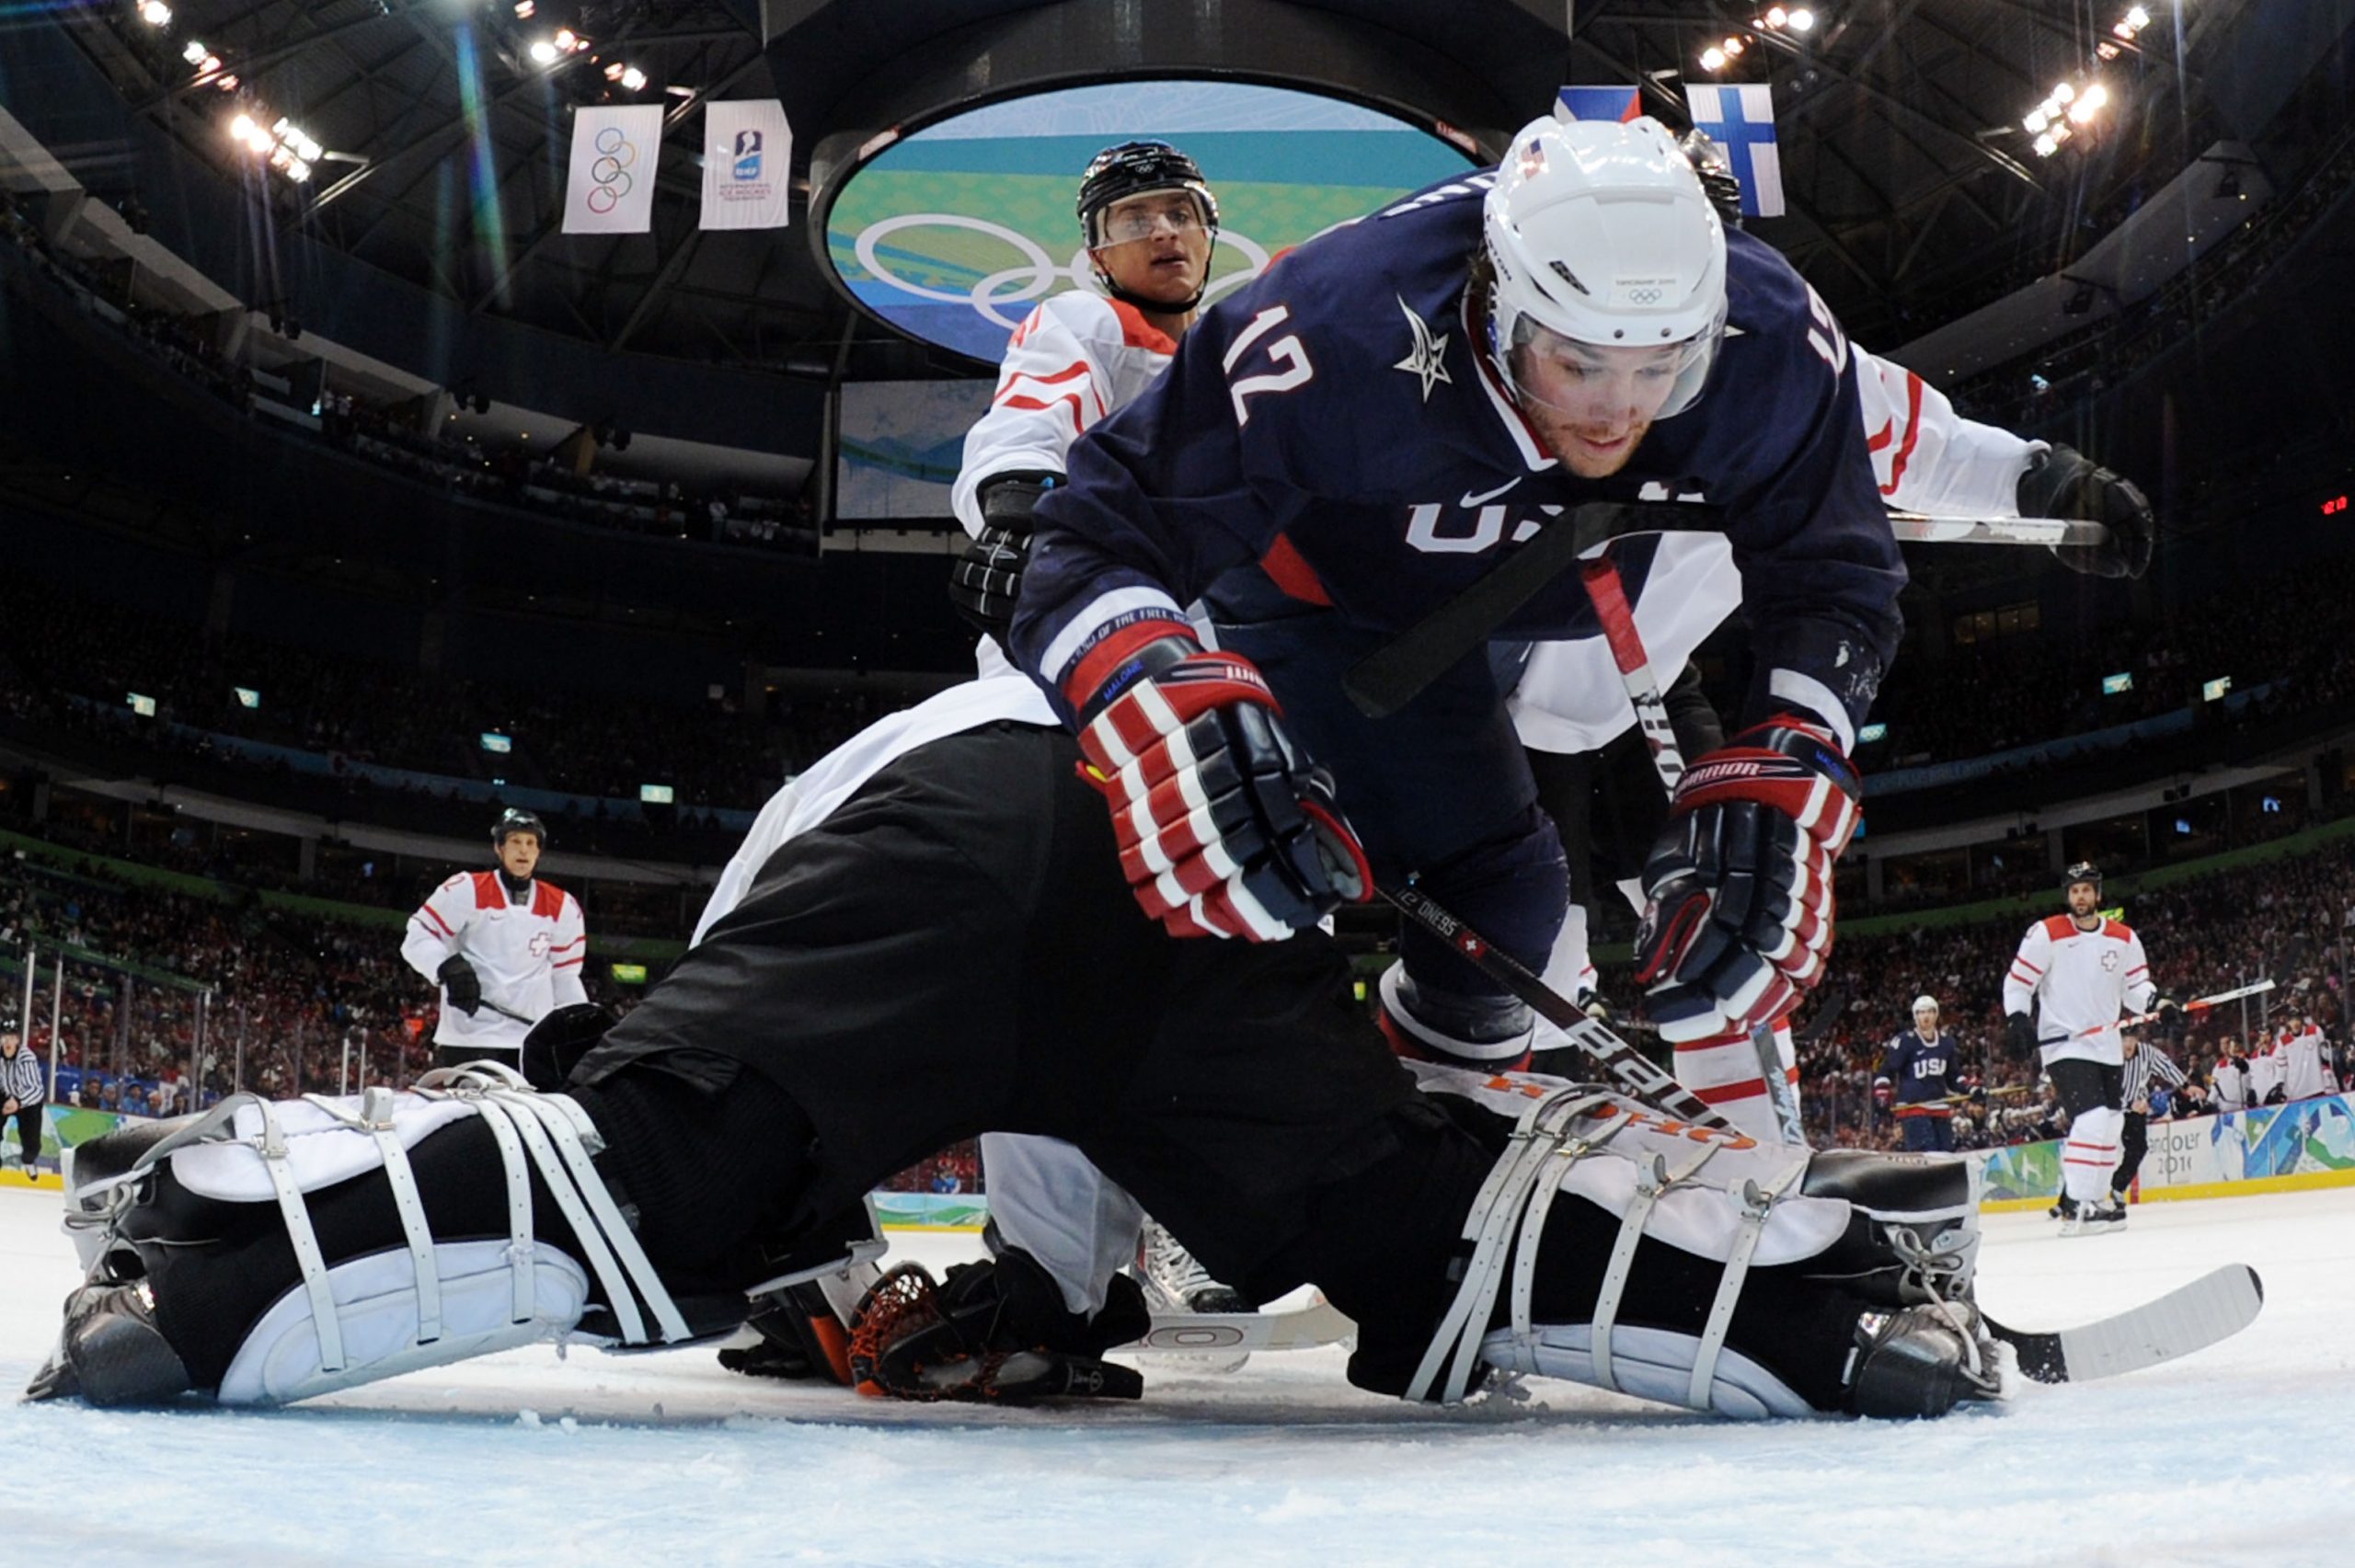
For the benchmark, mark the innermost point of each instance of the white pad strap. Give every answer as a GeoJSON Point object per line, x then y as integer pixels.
{"type": "Point", "coordinates": [306, 1242]}
{"type": "Point", "coordinates": [1651, 1182]}
{"type": "Point", "coordinates": [554, 1117]}
{"type": "Point", "coordinates": [1758, 1201]}
{"type": "Point", "coordinates": [1542, 1132]}
{"type": "Point", "coordinates": [375, 1117]}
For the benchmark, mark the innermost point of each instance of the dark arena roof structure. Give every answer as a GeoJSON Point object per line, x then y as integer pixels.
{"type": "Point", "coordinates": [2117, 269]}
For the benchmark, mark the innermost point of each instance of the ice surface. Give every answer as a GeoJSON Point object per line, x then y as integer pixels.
{"type": "Point", "coordinates": [2243, 1454]}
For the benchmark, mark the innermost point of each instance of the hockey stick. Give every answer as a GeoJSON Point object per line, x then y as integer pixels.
{"type": "Point", "coordinates": [1617, 617]}
{"type": "Point", "coordinates": [1398, 671]}
{"type": "Point", "coordinates": [1620, 1062]}
{"type": "Point", "coordinates": [2198, 1005]}
{"type": "Point", "coordinates": [2214, 1307]}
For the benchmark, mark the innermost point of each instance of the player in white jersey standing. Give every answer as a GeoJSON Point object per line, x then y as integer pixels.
{"type": "Point", "coordinates": [504, 946]}
{"type": "Point", "coordinates": [2079, 971]}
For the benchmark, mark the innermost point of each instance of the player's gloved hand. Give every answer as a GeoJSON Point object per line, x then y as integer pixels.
{"type": "Point", "coordinates": [461, 984]}
{"type": "Point", "coordinates": [2172, 1019]}
{"type": "Point", "coordinates": [1224, 826]}
{"type": "Point", "coordinates": [1737, 919]}
{"type": "Point", "coordinates": [2019, 1035]}
{"type": "Point", "coordinates": [987, 578]}
{"type": "Point", "coordinates": [2065, 483]}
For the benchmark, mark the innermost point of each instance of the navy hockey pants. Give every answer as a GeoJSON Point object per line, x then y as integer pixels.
{"type": "Point", "coordinates": [1440, 789]}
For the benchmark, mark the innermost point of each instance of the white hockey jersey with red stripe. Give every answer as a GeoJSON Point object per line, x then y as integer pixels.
{"type": "Point", "coordinates": [1076, 357]}
{"type": "Point", "coordinates": [1926, 457]}
{"type": "Point", "coordinates": [2078, 979]}
{"type": "Point", "coordinates": [527, 954]}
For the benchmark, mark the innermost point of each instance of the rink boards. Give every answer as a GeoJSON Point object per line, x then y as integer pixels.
{"type": "Point", "coordinates": [2306, 1144]}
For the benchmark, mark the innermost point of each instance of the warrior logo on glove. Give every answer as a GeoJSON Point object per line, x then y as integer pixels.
{"type": "Point", "coordinates": [1738, 923]}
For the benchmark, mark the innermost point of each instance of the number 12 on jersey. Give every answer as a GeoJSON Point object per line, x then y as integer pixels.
{"type": "Point", "coordinates": [1285, 352]}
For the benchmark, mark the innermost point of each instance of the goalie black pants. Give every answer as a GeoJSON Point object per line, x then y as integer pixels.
{"type": "Point", "coordinates": [954, 950]}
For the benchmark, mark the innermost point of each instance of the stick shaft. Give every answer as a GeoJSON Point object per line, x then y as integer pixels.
{"type": "Point", "coordinates": [1620, 1062]}
{"type": "Point", "coordinates": [1627, 642]}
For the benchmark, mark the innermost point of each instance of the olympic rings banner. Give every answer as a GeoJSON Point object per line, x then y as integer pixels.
{"type": "Point", "coordinates": [610, 187]}
{"type": "Point", "coordinates": [951, 234]}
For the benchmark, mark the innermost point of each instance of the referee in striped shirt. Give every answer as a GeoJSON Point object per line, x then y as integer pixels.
{"type": "Point", "coordinates": [2144, 1061]}
{"type": "Point", "coordinates": [21, 1084]}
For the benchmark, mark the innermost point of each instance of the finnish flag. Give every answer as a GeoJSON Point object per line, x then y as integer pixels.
{"type": "Point", "coordinates": [1742, 121]}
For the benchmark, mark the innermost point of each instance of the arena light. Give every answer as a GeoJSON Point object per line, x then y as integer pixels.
{"type": "Point", "coordinates": [1776, 16]}
{"type": "Point", "coordinates": [1713, 59]}
{"type": "Point", "coordinates": [543, 53]}
{"type": "Point", "coordinates": [1733, 47]}
{"type": "Point", "coordinates": [241, 129]}
{"type": "Point", "coordinates": [1802, 21]}
{"type": "Point", "coordinates": [524, 9]}
{"type": "Point", "coordinates": [156, 14]}
{"type": "Point", "coordinates": [193, 53]}
{"type": "Point", "coordinates": [634, 80]}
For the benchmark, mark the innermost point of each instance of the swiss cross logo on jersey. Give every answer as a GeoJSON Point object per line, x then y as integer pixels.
{"type": "Point", "coordinates": [2109, 959]}
{"type": "Point", "coordinates": [540, 945]}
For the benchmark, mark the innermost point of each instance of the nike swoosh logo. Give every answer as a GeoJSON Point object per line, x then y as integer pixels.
{"type": "Point", "coordinates": [1471, 501]}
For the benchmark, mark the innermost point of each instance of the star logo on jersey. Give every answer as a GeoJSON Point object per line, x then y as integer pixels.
{"type": "Point", "coordinates": [1428, 357]}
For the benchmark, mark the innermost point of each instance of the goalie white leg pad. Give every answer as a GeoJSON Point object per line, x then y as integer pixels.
{"type": "Point", "coordinates": [428, 1303]}
{"type": "Point", "coordinates": [375, 1316]}
{"type": "Point", "coordinates": [1647, 1363]}
{"type": "Point", "coordinates": [1719, 1195]}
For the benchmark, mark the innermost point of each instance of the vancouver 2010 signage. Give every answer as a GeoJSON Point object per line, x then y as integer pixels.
{"type": "Point", "coordinates": [953, 233]}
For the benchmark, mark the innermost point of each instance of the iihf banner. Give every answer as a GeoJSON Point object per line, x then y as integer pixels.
{"type": "Point", "coordinates": [609, 189]}
{"type": "Point", "coordinates": [1621, 101]}
{"type": "Point", "coordinates": [1742, 121]}
{"type": "Point", "coordinates": [747, 164]}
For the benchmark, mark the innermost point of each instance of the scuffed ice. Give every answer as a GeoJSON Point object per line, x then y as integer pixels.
{"type": "Point", "coordinates": [2240, 1455]}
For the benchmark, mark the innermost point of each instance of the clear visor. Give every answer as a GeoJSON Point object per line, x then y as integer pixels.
{"type": "Point", "coordinates": [1147, 216]}
{"type": "Point", "coordinates": [1605, 383]}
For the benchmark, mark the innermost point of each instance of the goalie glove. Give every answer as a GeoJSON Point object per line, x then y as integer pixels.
{"type": "Point", "coordinates": [987, 578]}
{"type": "Point", "coordinates": [1224, 826]}
{"type": "Point", "coordinates": [1738, 917]}
{"type": "Point", "coordinates": [2065, 483]}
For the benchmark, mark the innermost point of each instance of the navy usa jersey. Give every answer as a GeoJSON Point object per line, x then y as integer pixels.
{"type": "Point", "coordinates": [1338, 423]}
{"type": "Point", "coordinates": [1919, 1069]}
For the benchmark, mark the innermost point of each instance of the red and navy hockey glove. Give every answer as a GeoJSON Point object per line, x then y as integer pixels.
{"type": "Point", "coordinates": [1224, 826]}
{"type": "Point", "coordinates": [1739, 919]}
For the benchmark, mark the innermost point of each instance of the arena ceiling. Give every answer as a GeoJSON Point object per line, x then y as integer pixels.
{"type": "Point", "coordinates": [1911, 182]}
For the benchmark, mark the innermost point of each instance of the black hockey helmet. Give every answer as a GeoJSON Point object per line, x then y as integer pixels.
{"type": "Point", "coordinates": [1135, 168]}
{"type": "Point", "coordinates": [514, 822]}
{"type": "Point", "coordinates": [2083, 871]}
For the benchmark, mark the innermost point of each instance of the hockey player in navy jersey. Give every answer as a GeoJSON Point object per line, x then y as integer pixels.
{"type": "Point", "coordinates": [1920, 1064]}
{"type": "Point", "coordinates": [1361, 433]}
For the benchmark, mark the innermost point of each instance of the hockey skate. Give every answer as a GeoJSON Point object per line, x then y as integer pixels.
{"type": "Point", "coordinates": [1174, 1282]}
{"type": "Point", "coordinates": [1923, 1361]}
{"type": "Point", "coordinates": [2099, 1219]}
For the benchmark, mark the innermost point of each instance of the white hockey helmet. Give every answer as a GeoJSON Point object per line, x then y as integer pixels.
{"type": "Point", "coordinates": [1600, 232]}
